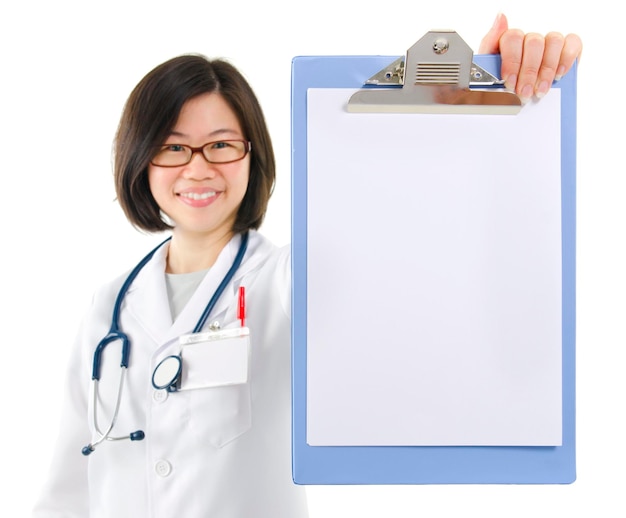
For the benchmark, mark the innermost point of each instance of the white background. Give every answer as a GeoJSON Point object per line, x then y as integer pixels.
{"type": "Point", "coordinates": [66, 69]}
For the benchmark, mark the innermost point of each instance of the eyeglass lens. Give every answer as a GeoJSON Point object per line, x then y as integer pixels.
{"type": "Point", "coordinates": [219, 152]}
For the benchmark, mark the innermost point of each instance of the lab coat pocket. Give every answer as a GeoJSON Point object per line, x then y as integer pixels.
{"type": "Point", "coordinates": [215, 372]}
{"type": "Point", "coordinates": [221, 414]}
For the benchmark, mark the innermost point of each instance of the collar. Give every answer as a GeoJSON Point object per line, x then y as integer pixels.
{"type": "Point", "coordinates": [147, 300]}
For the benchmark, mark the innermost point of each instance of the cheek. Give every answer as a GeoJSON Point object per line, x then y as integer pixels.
{"type": "Point", "coordinates": [240, 181]}
{"type": "Point", "coordinates": [157, 182]}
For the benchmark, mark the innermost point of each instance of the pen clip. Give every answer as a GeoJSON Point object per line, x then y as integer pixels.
{"type": "Point", "coordinates": [241, 306]}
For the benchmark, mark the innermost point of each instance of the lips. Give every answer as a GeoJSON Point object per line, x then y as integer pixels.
{"type": "Point", "coordinates": [198, 197]}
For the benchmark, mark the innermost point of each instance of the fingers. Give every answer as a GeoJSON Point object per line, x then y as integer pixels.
{"type": "Point", "coordinates": [572, 51]}
{"type": "Point", "coordinates": [531, 62]}
{"type": "Point", "coordinates": [512, 53]}
{"type": "Point", "coordinates": [554, 43]}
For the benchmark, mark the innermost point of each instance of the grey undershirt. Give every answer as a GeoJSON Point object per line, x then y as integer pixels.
{"type": "Point", "coordinates": [180, 288]}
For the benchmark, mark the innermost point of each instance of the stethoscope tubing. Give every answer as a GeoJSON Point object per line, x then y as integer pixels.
{"type": "Point", "coordinates": [227, 278]}
{"type": "Point", "coordinates": [116, 334]}
{"type": "Point", "coordinates": [114, 331]}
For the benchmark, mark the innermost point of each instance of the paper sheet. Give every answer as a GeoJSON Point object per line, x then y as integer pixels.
{"type": "Point", "coordinates": [433, 276]}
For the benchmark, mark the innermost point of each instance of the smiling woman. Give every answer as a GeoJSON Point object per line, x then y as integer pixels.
{"type": "Point", "coordinates": [201, 197]}
{"type": "Point", "coordinates": [148, 122]}
{"type": "Point", "coordinates": [193, 157]}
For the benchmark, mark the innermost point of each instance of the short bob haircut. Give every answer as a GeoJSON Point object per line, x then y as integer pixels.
{"type": "Point", "coordinates": [151, 113]}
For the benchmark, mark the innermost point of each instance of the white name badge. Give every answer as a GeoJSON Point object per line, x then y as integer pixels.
{"type": "Point", "coordinates": [215, 358]}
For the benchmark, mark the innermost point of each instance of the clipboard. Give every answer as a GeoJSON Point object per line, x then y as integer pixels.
{"type": "Point", "coordinates": [387, 387]}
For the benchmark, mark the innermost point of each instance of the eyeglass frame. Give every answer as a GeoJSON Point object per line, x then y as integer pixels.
{"type": "Point", "coordinates": [200, 149]}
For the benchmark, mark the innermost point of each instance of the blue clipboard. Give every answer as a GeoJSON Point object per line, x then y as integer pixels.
{"type": "Point", "coordinates": [410, 464]}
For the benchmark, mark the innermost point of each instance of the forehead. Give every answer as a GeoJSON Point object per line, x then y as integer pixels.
{"type": "Point", "coordinates": [205, 115]}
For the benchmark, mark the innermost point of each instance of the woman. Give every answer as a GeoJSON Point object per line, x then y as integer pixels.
{"type": "Point", "coordinates": [193, 157]}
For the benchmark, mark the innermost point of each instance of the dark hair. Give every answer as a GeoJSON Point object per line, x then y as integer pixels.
{"type": "Point", "coordinates": [150, 114]}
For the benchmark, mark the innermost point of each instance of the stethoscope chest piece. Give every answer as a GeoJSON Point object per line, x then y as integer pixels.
{"type": "Point", "coordinates": [167, 373]}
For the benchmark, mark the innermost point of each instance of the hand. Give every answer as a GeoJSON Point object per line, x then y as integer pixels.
{"type": "Point", "coordinates": [530, 62]}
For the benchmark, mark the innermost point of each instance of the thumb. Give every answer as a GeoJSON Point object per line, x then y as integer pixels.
{"type": "Point", "coordinates": [490, 44]}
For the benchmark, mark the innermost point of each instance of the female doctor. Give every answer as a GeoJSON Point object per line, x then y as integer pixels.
{"type": "Point", "coordinates": [164, 436]}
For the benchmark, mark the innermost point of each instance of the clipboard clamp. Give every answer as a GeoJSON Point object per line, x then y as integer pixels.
{"type": "Point", "coordinates": [437, 76]}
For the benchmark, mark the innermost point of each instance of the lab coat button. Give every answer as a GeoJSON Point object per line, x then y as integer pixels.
{"type": "Point", "coordinates": [163, 468]}
{"type": "Point", "coordinates": [159, 395]}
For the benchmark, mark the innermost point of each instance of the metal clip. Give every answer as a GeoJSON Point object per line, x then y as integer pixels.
{"type": "Point", "coordinates": [435, 78]}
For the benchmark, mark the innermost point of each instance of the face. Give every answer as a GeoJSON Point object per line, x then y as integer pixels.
{"type": "Point", "coordinates": [202, 198]}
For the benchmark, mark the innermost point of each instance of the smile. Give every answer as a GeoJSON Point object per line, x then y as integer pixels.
{"type": "Point", "coordinates": [198, 196]}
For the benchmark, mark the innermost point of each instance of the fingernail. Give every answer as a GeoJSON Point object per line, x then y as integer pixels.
{"type": "Point", "coordinates": [542, 89]}
{"type": "Point", "coordinates": [510, 82]}
{"type": "Point", "coordinates": [526, 94]}
{"type": "Point", "coordinates": [560, 72]}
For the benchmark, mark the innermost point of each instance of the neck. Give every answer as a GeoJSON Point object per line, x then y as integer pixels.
{"type": "Point", "coordinates": [192, 253]}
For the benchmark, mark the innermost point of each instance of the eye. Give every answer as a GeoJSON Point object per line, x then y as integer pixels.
{"type": "Point", "coordinates": [220, 144]}
{"type": "Point", "coordinates": [173, 148]}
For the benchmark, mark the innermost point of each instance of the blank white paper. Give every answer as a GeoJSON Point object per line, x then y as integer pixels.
{"type": "Point", "coordinates": [433, 276]}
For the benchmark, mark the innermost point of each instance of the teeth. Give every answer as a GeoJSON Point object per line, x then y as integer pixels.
{"type": "Point", "coordinates": [197, 196]}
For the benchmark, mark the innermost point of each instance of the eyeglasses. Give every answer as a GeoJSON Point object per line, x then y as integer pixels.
{"type": "Point", "coordinates": [218, 152]}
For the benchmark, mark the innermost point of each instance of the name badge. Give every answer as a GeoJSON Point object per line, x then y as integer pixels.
{"type": "Point", "coordinates": [215, 358]}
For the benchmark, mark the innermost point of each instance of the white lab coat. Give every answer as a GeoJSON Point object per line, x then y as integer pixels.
{"type": "Point", "coordinates": [208, 453]}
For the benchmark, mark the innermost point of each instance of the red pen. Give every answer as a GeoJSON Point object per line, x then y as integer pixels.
{"type": "Point", "coordinates": [241, 309]}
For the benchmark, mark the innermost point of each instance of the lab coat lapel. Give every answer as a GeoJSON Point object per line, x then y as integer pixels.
{"type": "Point", "coordinates": [187, 320]}
{"type": "Point", "coordinates": [147, 297]}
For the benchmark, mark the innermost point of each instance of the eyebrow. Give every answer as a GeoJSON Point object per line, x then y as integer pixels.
{"type": "Point", "coordinates": [216, 133]}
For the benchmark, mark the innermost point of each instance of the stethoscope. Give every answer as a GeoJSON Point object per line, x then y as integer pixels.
{"type": "Point", "coordinates": [115, 334]}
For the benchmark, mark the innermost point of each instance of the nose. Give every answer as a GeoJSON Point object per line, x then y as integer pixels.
{"type": "Point", "coordinates": [198, 167]}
